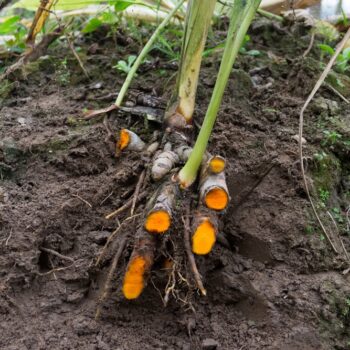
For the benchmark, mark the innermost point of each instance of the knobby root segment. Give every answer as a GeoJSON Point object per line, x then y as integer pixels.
{"type": "Point", "coordinates": [158, 219]}
{"type": "Point", "coordinates": [183, 152]}
{"type": "Point", "coordinates": [213, 189]}
{"type": "Point", "coordinates": [152, 148]}
{"type": "Point", "coordinates": [166, 160]}
{"type": "Point", "coordinates": [139, 266]}
{"type": "Point", "coordinates": [163, 163]}
{"type": "Point", "coordinates": [204, 228]}
{"type": "Point", "coordinates": [128, 140]}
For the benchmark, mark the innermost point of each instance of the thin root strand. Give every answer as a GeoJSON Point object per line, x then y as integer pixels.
{"type": "Point", "coordinates": [192, 262]}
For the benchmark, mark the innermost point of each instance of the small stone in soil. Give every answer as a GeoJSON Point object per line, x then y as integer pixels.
{"type": "Point", "coordinates": [209, 344]}
{"type": "Point", "coordinates": [83, 326]}
{"type": "Point", "coordinates": [75, 297]}
{"type": "Point", "coordinates": [99, 237]}
{"type": "Point", "coordinates": [296, 138]}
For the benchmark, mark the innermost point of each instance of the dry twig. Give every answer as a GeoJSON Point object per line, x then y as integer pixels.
{"type": "Point", "coordinates": [111, 237]}
{"type": "Point", "coordinates": [96, 112]}
{"type": "Point", "coordinates": [107, 125]}
{"type": "Point", "coordinates": [52, 267]}
{"type": "Point", "coordinates": [71, 46]}
{"type": "Point", "coordinates": [307, 51]}
{"type": "Point", "coordinates": [8, 238]}
{"type": "Point", "coordinates": [75, 262]}
{"type": "Point", "coordinates": [55, 270]}
{"type": "Point", "coordinates": [107, 286]}
{"type": "Point", "coordinates": [330, 87]}
{"type": "Point", "coordinates": [53, 252]}
{"type": "Point", "coordinates": [301, 124]}
{"type": "Point", "coordinates": [82, 199]}
{"type": "Point", "coordinates": [126, 206]}
{"type": "Point", "coordinates": [170, 286]}
{"type": "Point", "coordinates": [37, 51]}
{"type": "Point", "coordinates": [137, 191]}
{"type": "Point", "coordinates": [339, 236]}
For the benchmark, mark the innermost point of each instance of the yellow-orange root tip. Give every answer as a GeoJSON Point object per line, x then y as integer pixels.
{"type": "Point", "coordinates": [134, 278]}
{"type": "Point", "coordinates": [216, 199]}
{"type": "Point", "coordinates": [204, 238]}
{"type": "Point", "coordinates": [124, 139]}
{"type": "Point", "coordinates": [158, 221]}
{"type": "Point", "coordinates": [217, 165]}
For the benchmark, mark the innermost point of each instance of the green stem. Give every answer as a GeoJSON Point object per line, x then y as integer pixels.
{"type": "Point", "coordinates": [198, 20]}
{"type": "Point", "coordinates": [144, 53]}
{"type": "Point", "coordinates": [241, 18]}
{"type": "Point", "coordinates": [269, 15]}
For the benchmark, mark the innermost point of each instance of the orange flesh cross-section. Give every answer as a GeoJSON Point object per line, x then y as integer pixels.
{"type": "Point", "coordinates": [216, 199]}
{"type": "Point", "coordinates": [124, 139]}
{"type": "Point", "coordinates": [134, 278]}
{"type": "Point", "coordinates": [217, 165]}
{"type": "Point", "coordinates": [204, 238]}
{"type": "Point", "coordinates": [158, 221]}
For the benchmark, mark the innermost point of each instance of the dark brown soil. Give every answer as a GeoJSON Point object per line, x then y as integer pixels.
{"type": "Point", "coordinates": [272, 280]}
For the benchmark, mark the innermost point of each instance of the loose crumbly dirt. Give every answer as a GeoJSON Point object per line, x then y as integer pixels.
{"type": "Point", "coordinates": [272, 280]}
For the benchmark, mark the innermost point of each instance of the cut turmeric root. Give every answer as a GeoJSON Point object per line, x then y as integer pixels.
{"type": "Point", "coordinates": [215, 197]}
{"type": "Point", "coordinates": [158, 219]}
{"type": "Point", "coordinates": [216, 164]}
{"type": "Point", "coordinates": [130, 141]}
{"type": "Point", "coordinates": [139, 266]}
{"type": "Point", "coordinates": [134, 280]}
{"type": "Point", "coordinates": [213, 188]}
{"type": "Point", "coordinates": [204, 230]}
{"type": "Point", "coordinates": [211, 165]}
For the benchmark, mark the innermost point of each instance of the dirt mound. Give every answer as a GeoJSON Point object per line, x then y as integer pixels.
{"type": "Point", "coordinates": [272, 281]}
